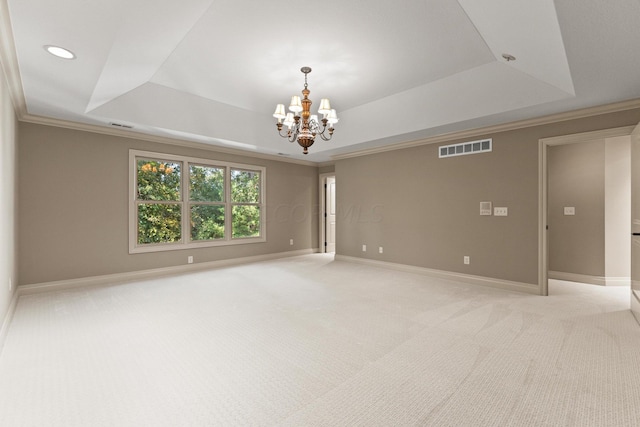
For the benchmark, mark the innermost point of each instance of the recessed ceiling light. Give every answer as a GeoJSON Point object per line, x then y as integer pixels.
{"type": "Point", "coordinates": [60, 52]}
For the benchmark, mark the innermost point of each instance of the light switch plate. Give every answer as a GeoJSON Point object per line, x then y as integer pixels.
{"type": "Point", "coordinates": [485, 208]}
{"type": "Point", "coordinates": [569, 210]}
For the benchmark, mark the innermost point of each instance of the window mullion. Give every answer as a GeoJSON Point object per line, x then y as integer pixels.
{"type": "Point", "coordinates": [227, 203]}
{"type": "Point", "coordinates": [184, 198]}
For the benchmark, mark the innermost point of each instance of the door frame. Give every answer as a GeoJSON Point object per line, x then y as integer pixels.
{"type": "Point", "coordinates": [322, 207]}
{"type": "Point", "coordinates": [635, 153]}
{"type": "Point", "coordinates": [543, 145]}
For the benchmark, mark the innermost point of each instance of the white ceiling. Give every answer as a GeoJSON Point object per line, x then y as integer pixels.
{"type": "Point", "coordinates": [213, 70]}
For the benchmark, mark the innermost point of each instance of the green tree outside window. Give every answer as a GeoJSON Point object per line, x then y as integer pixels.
{"type": "Point", "coordinates": [245, 198]}
{"type": "Point", "coordinates": [219, 199]}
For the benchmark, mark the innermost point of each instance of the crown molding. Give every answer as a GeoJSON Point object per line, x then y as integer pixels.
{"type": "Point", "coordinates": [325, 164]}
{"type": "Point", "coordinates": [586, 136]}
{"type": "Point", "coordinates": [520, 124]}
{"type": "Point", "coordinates": [9, 61]}
{"type": "Point", "coordinates": [132, 134]}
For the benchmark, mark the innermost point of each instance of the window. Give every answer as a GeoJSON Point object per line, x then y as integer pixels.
{"type": "Point", "coordinates": [180, 202]}
{"type": "Point", "coordinates": [245, 203]}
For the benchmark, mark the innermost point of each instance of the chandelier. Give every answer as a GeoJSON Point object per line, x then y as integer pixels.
{"type": "Point", "coordinates": [303, 127]}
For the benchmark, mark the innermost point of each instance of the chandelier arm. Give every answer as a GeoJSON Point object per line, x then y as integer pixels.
{"type": "Point", "coordinates": [294, 132]}
{"type": "Point", "coordinates": [326, 138]}
{"type": "Point", "coordinates": [286, 135]}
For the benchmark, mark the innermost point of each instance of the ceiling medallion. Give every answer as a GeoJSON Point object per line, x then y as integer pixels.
{"type": "Point", "coordinates": [304, 127]}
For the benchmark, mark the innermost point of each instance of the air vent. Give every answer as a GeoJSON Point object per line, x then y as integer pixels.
{"type": "Point", "coordinates": [464, 148]}
{"type": "Point", "coordinates": [120, 125]}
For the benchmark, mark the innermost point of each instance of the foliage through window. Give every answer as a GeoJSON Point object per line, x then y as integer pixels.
{"type": "Point", "coordinates": [159, 211]}
{"type": "Point", "coordinates": [206, 202]}
{"type": "Point", "coordinates": [245, 198]}
{"type": "Point", "coordinates": [181, 202]}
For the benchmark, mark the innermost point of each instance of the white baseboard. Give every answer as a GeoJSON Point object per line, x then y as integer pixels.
{"type": "Point", "coordinates": [153, 273]}
{"type": "Point", "coordinates": [591, 280]}
{"type": "Point", "coordinates": [464, 278]}
{"type": "Point", "coordinates": [618, 281]}
{"type": "Point", "coordinates": [7, 319]}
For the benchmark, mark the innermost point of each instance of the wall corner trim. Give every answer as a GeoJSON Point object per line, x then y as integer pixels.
{"type": "Point", "coordinates": [7, 319]}
{"type": "Point", "coordinates": [118, 278]}
{"type": "Point", "coordinates": [460, 277]}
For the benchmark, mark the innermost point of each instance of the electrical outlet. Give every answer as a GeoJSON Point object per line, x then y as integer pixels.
{"type": "Point", "coordinates": [364, 248]}
{"type": "Point", "coordinates": [291, 242]}
{"type": "Point", "coordinates": [380, 249]}
{"type": "Point", "coordinates": [500, 211]}
{"type": "Point", "coordinates": [189, 259]}
{"type": "Point", "coordinates": [467, 260]}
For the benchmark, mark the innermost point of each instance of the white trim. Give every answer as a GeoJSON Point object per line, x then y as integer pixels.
{"type": "Point", "coordinates": [8, 318]}
{"type": "Point", "coordinates": [134, 134]}
{"type": "Point", "coordinates": [479, 132]}
{"type": "Point", "coordinates": [635, 303]}
{"type": "Point", "coordinates": [543, 243]}
{"type": "Point", "coordinates": [325, 164]}
{"type": "Point", "coordinates": [9, 61]}
{"type": "Point", "coordinates": [322, 203]}
{"type": "Point", "coordinates": [543, 256]}
{"type": "Point", "coordinates": [591, 280]}
{"type": "Point", "coordinates": [588, 136]}
{"type": "Point", "coordinates": [459, 277]}
{"type": "Point", "coordinates": [118, 278]}
{"type": "Point", "coordinates": [617, 281]}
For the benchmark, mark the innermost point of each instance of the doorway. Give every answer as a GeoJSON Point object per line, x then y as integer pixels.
{"type": "Point", "coordinates": [328, 213]}
{"type": "Point", "coordinates": [561, 212]}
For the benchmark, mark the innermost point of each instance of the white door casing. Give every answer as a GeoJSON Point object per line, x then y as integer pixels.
{"type": "Point", "coordinates": [635, 222]}
{"type": "Point", "coordinates": [330, 217]}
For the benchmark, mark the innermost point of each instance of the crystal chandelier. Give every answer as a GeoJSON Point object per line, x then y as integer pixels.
{"type": "Point", "coordinates": [305, 127]}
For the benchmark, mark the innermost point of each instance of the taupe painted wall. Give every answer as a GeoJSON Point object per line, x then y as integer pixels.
{"type": "Point", "coordinates": [73, 206]}
{"type": "Point", "coordinates": [327, 169]}
{"type": "Point", "coordinates": [594, 177]}
{"type": "Point", "coordinates": [8, 218]}
{"type": "Point", "coordinates": [576, 179]}
{"type": "Point", "coordinates": [424, 211]}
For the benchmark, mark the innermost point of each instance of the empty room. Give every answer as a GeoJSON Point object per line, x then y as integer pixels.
{"type": "Point", "coordinates": [348, 213]}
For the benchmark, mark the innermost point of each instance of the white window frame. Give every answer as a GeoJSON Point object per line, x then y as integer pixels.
{"type": "Point", "coordinates": [186, 242]}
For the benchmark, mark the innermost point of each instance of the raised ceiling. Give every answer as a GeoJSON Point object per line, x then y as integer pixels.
{"type": "Point", "coordinates": [212, 71]}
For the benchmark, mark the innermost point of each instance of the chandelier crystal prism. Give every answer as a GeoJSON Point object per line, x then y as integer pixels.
{"type": "Point", "coordinates": [303, 127]}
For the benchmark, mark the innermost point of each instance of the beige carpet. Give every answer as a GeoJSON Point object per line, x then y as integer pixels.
{"type": "Point", "coordinates": [312, 342]}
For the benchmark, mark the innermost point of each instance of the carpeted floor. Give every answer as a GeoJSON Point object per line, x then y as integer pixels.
{"type": "Point", "coordinates": [308, 341]}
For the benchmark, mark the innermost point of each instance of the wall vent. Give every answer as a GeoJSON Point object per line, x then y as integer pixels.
{"type": "Point", "coordinates": [120, 125]}
{"type": "Point", "coordinates": [473, 147]}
